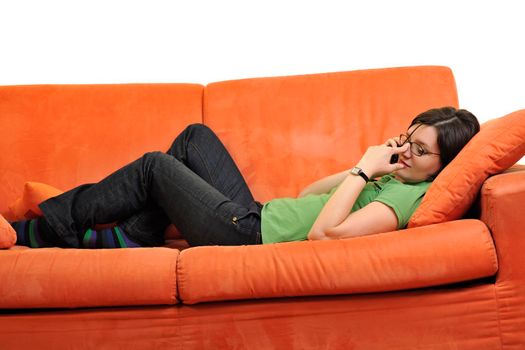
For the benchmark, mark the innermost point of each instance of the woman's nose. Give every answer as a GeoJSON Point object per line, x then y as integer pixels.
{"type": "Point", "coordinates": [407, 153]}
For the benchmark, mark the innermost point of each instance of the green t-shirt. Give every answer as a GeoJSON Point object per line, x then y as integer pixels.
{"type": "Point", "coordinates": [290, 219]}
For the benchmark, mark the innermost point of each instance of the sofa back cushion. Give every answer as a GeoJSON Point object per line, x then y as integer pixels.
{"type": "Point", "coordinates": [65, 135]}
{"type": "Point", "coordinates": [286, 132]}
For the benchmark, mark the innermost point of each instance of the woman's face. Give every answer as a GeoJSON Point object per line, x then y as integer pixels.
{"type": "Point", "coordinates": [419, 168]}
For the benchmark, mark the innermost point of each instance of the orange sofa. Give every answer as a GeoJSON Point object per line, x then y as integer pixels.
{"type": "Point", "coordinates": [458, 284]}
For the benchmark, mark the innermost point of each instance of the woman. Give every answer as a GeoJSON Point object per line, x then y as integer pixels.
{"type": "Point", "coordinates": [197, 186]}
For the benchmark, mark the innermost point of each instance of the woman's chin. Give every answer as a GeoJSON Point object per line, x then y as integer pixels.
{"type": "Point", "coordinates": [401, 172]}
{"type": "Point", "coordinates": [404, 178]}
{"type": "Point", "coordinates": [397, 176]}
{"type": "Point", "coordinates": [404, 175]}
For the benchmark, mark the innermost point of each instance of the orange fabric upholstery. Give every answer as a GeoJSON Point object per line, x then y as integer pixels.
{"type": "Point", "coordinates": [397, 260]}
{"type": "Point", "coordinates": [448, 317]}
{"type": "Point", "coordinates": [286, 132]}
{"type": "Point", "coordinates": [71, 278]}
{"type": "Point", "coordinates": [502, 199]}
{"type": "Point", "coordinates": [66, 135]}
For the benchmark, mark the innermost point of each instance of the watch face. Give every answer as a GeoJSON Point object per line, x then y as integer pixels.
{"type": "Point", "coordinates": [355, 170]}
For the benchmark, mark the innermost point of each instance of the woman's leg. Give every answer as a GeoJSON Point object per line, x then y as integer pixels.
{"type": "Point", "coordinates": [199, 148]}
{"type": "Point", "coordinates": [202, 151]}
{"type": "Point", "coordinates": [202, 213]}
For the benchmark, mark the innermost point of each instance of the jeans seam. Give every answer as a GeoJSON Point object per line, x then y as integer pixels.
{"type": "Point", "coordinates": [129, 224]}
{"type": "Point", "coordinates": [197, 150]}
{"type": "Point", "coordinates": [203, 203]}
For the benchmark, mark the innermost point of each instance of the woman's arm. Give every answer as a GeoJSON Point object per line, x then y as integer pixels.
{"type": "Point", "coordinates": [375, 162]}
{"type": "Point", "coordinates": [325, 184]}
{"type": "Point", "coordinates": [373, 218]}
{"type": "Point", "coordinates": [337, 207]}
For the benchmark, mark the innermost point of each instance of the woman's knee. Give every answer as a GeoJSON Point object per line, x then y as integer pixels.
{"type": "Point", "coordinates": [197, 127]}
{"type": "Point", "coordinates": [156, 157]}
{"type": "Point", "coordinates": [199, 130]}
{"type": "Point", "coordinates": [155, 162]}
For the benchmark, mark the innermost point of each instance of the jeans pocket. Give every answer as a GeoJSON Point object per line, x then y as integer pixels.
{"type": "Point", "coordinates": [247, 219]}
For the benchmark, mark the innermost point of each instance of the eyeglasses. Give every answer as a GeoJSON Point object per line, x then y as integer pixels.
{"type": "Point", "coordinates": [415, 147]}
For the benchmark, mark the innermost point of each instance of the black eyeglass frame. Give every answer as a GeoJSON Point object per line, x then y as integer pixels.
{"type": "Point", "coordinates": [425, 152]}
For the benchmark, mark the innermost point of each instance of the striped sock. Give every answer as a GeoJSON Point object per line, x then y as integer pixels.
{"type": "Point", "coordinates": [113, 237]}
{"type": "Point", "coordinates": [35, 233]}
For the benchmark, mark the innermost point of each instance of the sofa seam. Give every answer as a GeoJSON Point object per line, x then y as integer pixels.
{"type": "Point", "coordinates": [489, 241]}
{"type": "Point", "coordinates": [177, 273]}
{"type": "Point", "coordinates": [497, 314]}
{"type": "Point", "coordinates": [496, 297]}
{"type": "Point", "coordinates": [204, 103]}
{"type": "Point", "coordinates": [173, 289]}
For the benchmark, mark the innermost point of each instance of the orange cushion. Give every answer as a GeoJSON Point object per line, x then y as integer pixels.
{"type": "Point", "coordinates": [7, 234]}
{"type": "Point", "coordinates": [34, 193]}
{"type": "Point", "coordinates": [499, 144]}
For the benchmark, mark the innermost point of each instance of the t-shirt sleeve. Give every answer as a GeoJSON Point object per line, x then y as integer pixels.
{"type": "Point", "coordinates": [403, 199]}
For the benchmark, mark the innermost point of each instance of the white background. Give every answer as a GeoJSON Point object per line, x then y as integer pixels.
{"type": "Point", "coordinates": [204, 41]}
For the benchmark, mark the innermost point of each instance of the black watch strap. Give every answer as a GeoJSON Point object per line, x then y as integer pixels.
{"type": "Point", "coordinates": [358, 171]}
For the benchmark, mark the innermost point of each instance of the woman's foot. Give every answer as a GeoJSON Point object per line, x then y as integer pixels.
{"type": "Point", "coordinates": [113, 237]}
{"type": "Point", "coordinates": [35, 233]}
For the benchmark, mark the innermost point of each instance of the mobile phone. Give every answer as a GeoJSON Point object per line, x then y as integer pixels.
{"type": "Point", "coordinates": [395, 157]}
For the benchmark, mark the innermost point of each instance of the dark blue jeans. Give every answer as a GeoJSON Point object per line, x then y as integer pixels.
{"type": "Point", "coordinates": [195, 185]}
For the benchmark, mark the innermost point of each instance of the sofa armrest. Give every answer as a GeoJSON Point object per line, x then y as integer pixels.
{"type": "Point", "coordinates": [419, 257]}
{"type": "Point", "coordinates": [503, 211]}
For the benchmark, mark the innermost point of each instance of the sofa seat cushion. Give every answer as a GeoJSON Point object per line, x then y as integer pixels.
{"type": "Point", "coordinates": [419, 257]}
{"type": "Point", "coordinates": [70, 278]}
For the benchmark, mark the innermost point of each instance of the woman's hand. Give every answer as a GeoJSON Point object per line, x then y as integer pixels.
{"type": "Point", "coordinates": [393, 142]}
{"type": "Point", "coordinates": [376, 160]}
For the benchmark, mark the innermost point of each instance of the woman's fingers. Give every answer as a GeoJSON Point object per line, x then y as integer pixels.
{"type": "Point", "coordinates": [393, 142]}
{"type": "Point", "coordinates": [401, 149]}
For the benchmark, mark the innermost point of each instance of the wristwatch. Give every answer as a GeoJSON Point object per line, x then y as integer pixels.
{"type": "Point", "coordinates": [358, 171]}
